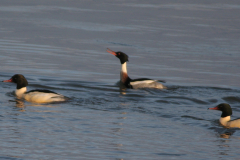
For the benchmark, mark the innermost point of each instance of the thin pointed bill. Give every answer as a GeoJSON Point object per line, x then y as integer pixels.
{"type": "Point", "coordinates": [10, 80]}
{"type": "Point", "coordinates": [215, 108]}
{"type": "Point", "coordinates": [111, 51]}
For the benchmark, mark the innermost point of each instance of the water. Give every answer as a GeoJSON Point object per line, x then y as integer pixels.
{"type": "Point", "coordinates": [192, 45]}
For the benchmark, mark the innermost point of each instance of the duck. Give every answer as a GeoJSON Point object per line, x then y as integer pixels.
{"type": "Point", "coordinates": [35, 96]}
{"type": "Point", "coordinates": [134, 83]}
{"type": "Point", "coordinates": [225, 119]}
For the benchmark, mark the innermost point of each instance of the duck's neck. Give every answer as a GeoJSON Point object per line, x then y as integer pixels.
{"type": "Point", "coordinates": [224, 120]}
{"type": "Point", "coordinates": [123, 73]}
{"type": "Point", "coordinates": [124, 67]}
{"type": "Point", "coordinates": [20, 92]}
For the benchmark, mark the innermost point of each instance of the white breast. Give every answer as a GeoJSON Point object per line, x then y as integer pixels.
{"type": "Point", "coordinates": [225, 121]}
{"type": "Point", "coordinates": [124, 67]}
{"type": "Point", "coordinates": [19, 92]}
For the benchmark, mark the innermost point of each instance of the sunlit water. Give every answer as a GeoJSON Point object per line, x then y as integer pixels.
{"type": "Point", "coordinates": [62, 47]}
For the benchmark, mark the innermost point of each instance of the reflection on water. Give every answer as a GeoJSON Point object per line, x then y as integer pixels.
{"type": "Point", "coordinates": [227, 133]}
{"type": "Point", "coordinates": [20, 104]}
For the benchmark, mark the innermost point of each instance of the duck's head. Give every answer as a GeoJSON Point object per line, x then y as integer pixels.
{"type": "Point", "coordinates": [225, 108]}
{"type": "Point", "coordinates": [19, 79]}
{"type": "Point", "coordinates": [122, 56]}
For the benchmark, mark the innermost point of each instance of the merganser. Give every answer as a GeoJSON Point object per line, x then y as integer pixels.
{"type": "Point", "coordinates": [37, 96]}
{"type": "Point", "coordinates": [225, 117]}
{"type": "Point", "coordinates": [134, 83]}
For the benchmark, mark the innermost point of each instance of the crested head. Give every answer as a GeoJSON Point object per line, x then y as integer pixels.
{"type": "Point", "coordinates": [122, 56]}
{"type": "Point", "coordinates": [19, 79]}
{"type": "Point", "coordinates": [225, 108]}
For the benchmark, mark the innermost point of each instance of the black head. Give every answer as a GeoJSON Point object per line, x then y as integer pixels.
{"type": "Point", "coordinates": [122, 56]}
{"type": "Point", "coordinates": [225, 108]}
{"type": "Point", "coordinates": [19, 79]}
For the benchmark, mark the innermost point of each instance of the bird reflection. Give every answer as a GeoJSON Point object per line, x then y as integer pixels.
{"type": "Point", "coordinates": [20, 103]}
{"type": "Point", "coordinates": [122, 87]}
{"type": "Point", "coordinates": [226, 135]}
{"type": "Point", "coordinates": [226, 132]}
{"type": "Point", "coordinates": [123, 92]}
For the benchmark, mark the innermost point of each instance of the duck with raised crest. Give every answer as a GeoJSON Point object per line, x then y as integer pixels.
{"type": "Point", "coordinates": [225, 119]}
{"type": "Point", "coordinates": [36, 96]}
{"type": "Point", "coordinates": [134, 83]}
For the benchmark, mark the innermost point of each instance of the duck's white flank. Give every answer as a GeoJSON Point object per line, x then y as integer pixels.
{"type": "Point", "coordinates": [147, 84]}
{"type": "Point", "coordinates": [39, 97]}
{"type": "Point", "coordinates": [142, 82]}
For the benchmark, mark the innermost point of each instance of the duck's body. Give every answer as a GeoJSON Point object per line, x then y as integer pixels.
{"type": "Point", "coordinates": [134, 83]}
{"type": "Point", "coordinates": [40, 96]}
{"type": "Point", "coordinates": [146, 83]}
{"type": "Point", "coordinates": [36, 96]}
{"type": "Point", "coordinates": [225, 119]}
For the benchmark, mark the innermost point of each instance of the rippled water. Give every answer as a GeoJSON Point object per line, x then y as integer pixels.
{"type": "Point", "coordinates": [194, 46]}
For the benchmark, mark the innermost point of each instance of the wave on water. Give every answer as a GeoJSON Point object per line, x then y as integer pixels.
{"type": "Point", "coordinates": [186, 104]}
